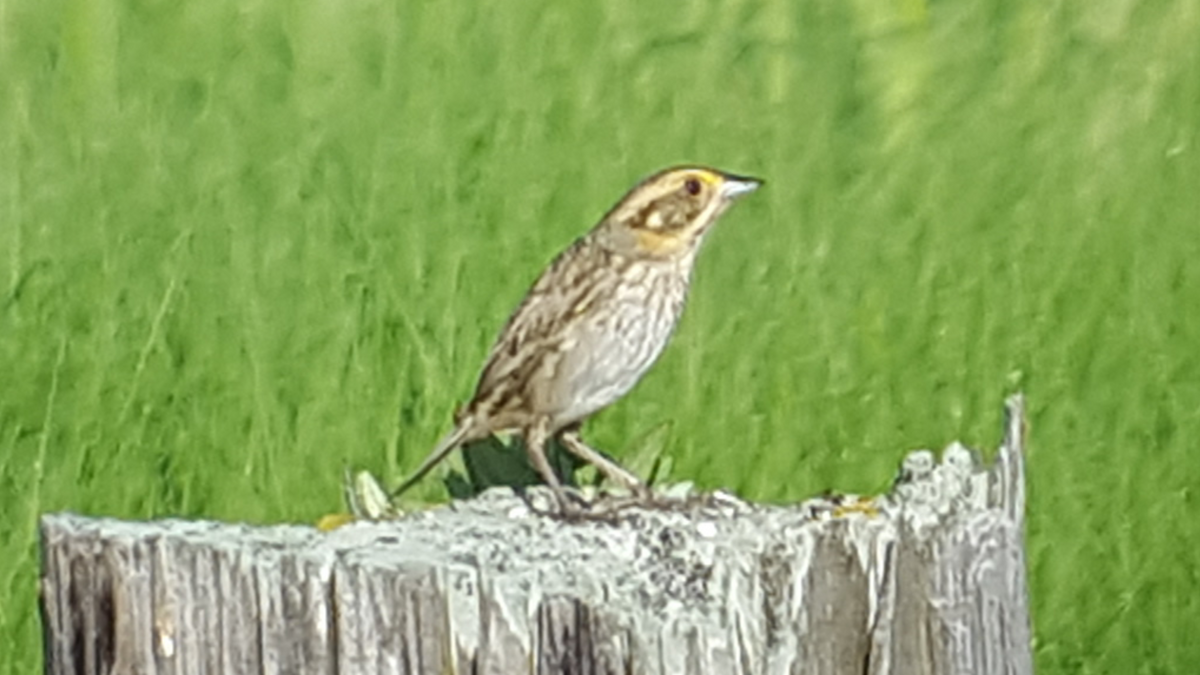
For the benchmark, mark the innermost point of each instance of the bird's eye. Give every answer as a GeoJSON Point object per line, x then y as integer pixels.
{"type": "Point", "coordinates": [692, 186]}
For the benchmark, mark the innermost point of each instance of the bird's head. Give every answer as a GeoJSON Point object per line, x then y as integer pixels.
{"type": "Point", "coordinates": [667, 214]}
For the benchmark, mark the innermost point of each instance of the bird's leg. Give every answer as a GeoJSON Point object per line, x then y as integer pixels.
{"type": "Point", "coordinates": [613, 471]}
{"type": "Point", "coordinates": [536, 437]}
{"type": "Point", "coordinates": [535, 444]}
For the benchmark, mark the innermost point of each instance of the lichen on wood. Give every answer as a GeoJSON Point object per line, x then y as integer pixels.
{"type": "Point", "coordinates": [927, 579]}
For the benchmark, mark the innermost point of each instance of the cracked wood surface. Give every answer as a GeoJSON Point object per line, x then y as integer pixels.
{"type": "Point", "coordinates": [927, 579]}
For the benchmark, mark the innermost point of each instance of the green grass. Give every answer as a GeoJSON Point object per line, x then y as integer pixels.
{"type": "Point", "coordinates": [244, 244]}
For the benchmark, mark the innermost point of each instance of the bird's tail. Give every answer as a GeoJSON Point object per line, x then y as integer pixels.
{"type": "Point", "coordinates": [447, 445]}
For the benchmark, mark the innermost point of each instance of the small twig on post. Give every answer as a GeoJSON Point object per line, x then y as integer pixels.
{"type": "Point", "coordinates": [929, 579]}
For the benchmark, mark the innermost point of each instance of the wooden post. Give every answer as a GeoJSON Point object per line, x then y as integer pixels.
{"type": "Point", "coordinates": [928, 579]}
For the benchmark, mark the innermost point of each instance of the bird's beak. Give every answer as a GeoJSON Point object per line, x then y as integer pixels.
{"type": "Point", "coordinates": [736, 186]}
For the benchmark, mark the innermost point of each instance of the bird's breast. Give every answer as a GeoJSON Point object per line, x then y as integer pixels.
{"type": "Point", "coordinates": [618, 339]}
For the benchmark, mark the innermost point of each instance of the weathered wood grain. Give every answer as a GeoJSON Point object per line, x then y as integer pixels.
{"type": "Point", "coordinates": [929, 579]}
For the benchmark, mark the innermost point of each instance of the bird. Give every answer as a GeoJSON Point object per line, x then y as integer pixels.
{"type": "Point", "coordinates": [594, 323]}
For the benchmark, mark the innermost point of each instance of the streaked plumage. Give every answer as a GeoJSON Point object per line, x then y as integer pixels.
{"type": "Point", "coordinates": [595, 321]}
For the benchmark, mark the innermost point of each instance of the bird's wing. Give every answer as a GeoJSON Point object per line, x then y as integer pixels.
{"type": "Point", "coordinates": [538, 331]}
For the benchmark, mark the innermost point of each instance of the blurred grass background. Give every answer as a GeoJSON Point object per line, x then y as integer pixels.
{"type": "Point", "coordinates": [243, 244]}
